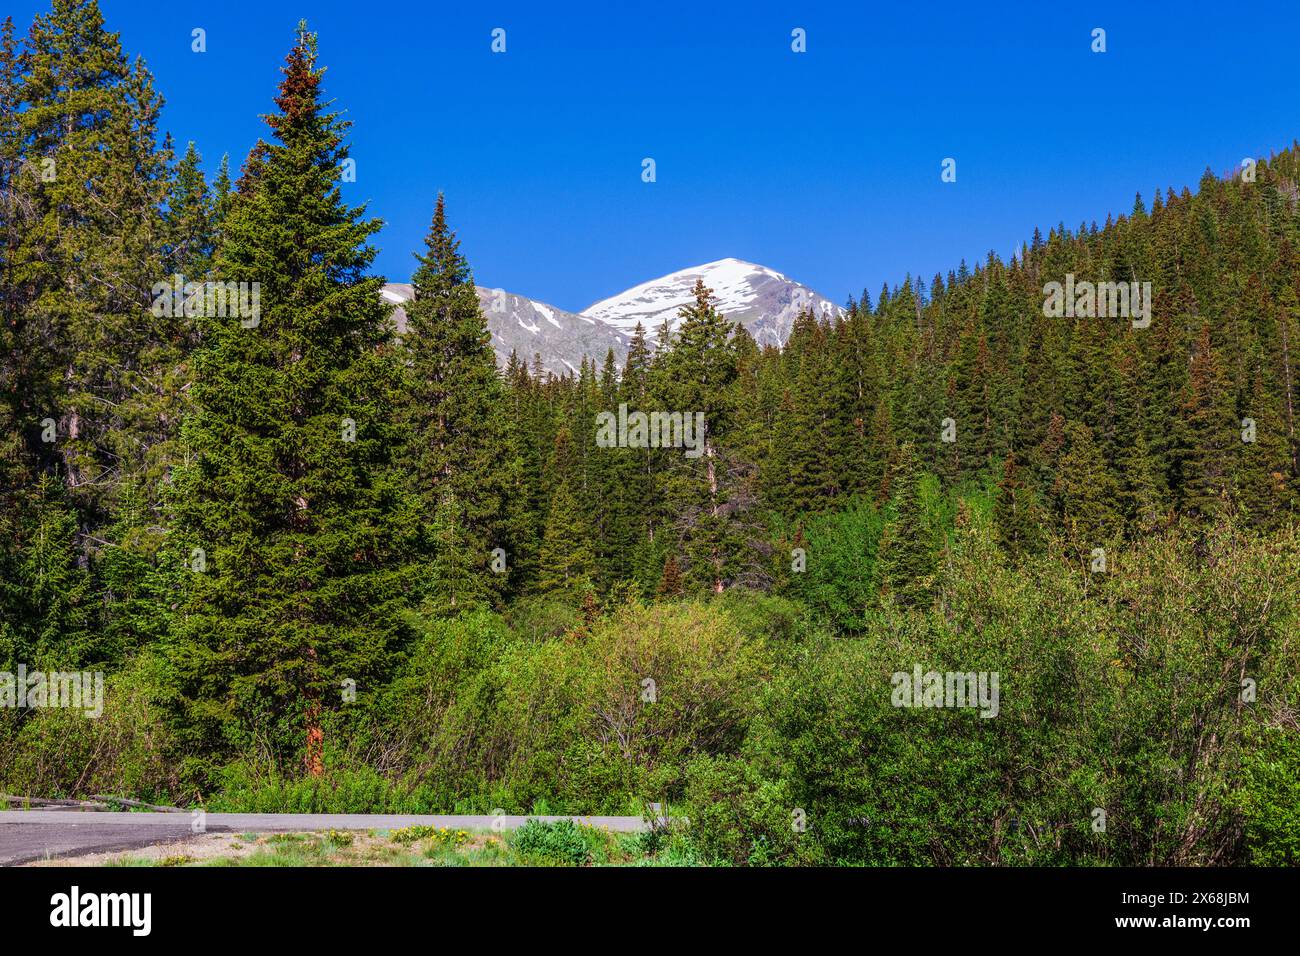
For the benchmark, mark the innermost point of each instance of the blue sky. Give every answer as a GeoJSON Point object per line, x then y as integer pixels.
{"type": "Point", "coordinates": [823, 165]}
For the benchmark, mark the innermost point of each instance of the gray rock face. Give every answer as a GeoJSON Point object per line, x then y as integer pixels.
{"type": "Point", "coordinates": [763, 300]}
{"type": "Point", "coordinates": [532, 329]}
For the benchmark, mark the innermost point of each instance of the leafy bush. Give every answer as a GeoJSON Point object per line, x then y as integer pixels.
{"type": "Point", "coordinates": [841, 581]}
{"type": "Point", "coordinates": [737, 816]}
{"type": "Point", "coordinates": [589, 724]}
{"type": "Point", "coordinates": [1270, 797]}
{"type": "Point", "coordinates": [59, 752]}
{"type": "Point", "coordinates": [559, 841]}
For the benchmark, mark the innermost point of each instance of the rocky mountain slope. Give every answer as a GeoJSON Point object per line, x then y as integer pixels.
{"type": "Point", "coordinates": [764, 300]}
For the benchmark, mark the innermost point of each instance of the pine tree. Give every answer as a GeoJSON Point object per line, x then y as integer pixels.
{"type": "Point", "coordinates": [49, 594]}
{"type": "Point", "coordinates": [1212, 430]}
{"type": "Point", "coordinates": [642, 378]}
{"type": "Point", "coordinates": [297, 520]}
{"type": "Point", "coordinates": [85, 182]}
{"type": "Point", "coordinates": [880, 450]}
{"type": "Point", "coordinates": [809, 476]}
{"type": "Point", "coordinates": [697, 373]}
{"type": "Point", "coordinates": [190, 220]}
{"type": "Point", "coordinates": [95, 182]}
{"type": "Point", "coordinates": [520, 528]}
{"type": "Point", "coordinates": [223, 195]}
{"type": "Point", "coordinates": [906, 553]}
{"type": "Point", "coordinates": [670, 583]}
{"type": "Point", "coordinates": [973, 389]}
{"type": "Point", "coordinates": [459, 444]}
{"type": "Point", "coordinates": [566, 562]}
{"type": "Point", "coordinates": [1263, 486]}
{"type": "Point", "coordinates": [459, 583]}
{"type": "Point", "coordinates": [634, 389]}
{"type": "Point", "coordinates": [859, 386]}
{"type": "Point", "coordinates": [1086, 494]}
{"type": "Point", "coordinates": [1016, 513]}
{"type": "Point", "coordinates": [137, 577]}
{"type": "Point", "coordinates": [1139, 487]}
{"type": "Point", "coordinates": [614, 472]}
{"type": "Point", "coordinates": [14, 458]}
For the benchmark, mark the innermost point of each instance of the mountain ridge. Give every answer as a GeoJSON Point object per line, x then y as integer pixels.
{"type": "Point", "coordinates": [763, 300]}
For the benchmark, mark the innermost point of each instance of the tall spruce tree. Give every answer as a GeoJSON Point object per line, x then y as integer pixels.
{"type": "Point", "coordinates": [190, 219]}
{"type": "Point", "coordinates": [906, 551]}
{"type": "Point", "coordinates": [698, 492]}
{"type": "Point", "coordinates": [97, 377]}
{"type": "Point", "coordinates": [1212, 430]}
{"type": "Point", "coordinates": [1086, 495]}
{"type": "Point", "coordinates": [458, 444]}
{"type": "Point", "coordinates": [50, 622]}
{"type": "Point", "coordinates": [566, 560]}
{"type": "Point", "coordinates": [644, 464]}
{"type": "Point", "coordinates": [14, 458]}
{"type": "Point", "coordinates": [292, 516]}
{"type": "Point", "coordinates": [1016, 513]}
{"type": "Point", "coordinates": [95, 182]}
{"type": "Point", "coordinates": [614, 471]}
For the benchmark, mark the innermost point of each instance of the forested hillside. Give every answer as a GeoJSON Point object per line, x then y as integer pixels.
{"type": "Point", "coordinates": [327, 567]}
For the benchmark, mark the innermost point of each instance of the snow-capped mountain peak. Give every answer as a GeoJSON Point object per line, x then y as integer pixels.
{"type": "Point", "coordinates": [762, 299]}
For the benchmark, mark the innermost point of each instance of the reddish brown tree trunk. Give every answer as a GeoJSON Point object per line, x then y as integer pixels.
{"type": "Point", "coordinates": [313, 759]}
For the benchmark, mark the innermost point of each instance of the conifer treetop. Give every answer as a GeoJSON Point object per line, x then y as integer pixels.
{"type": "Point", "coordinates": [442, 266]}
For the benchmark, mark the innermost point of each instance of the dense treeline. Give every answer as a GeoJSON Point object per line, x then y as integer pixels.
{"type": "Point", "coordinates": [330, 567]}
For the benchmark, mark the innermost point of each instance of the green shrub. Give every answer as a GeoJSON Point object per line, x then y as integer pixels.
{"type": "Point", "coordinates": [575, 723]}
{"type": "Point", "coordinates": [1270, 797]}
{"type": "Point", "coordinates": [559, 841]}
{"type": "Point", "coordinates": [127, 751]}
{"type": "Point", "coordinates": [737, 816]}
